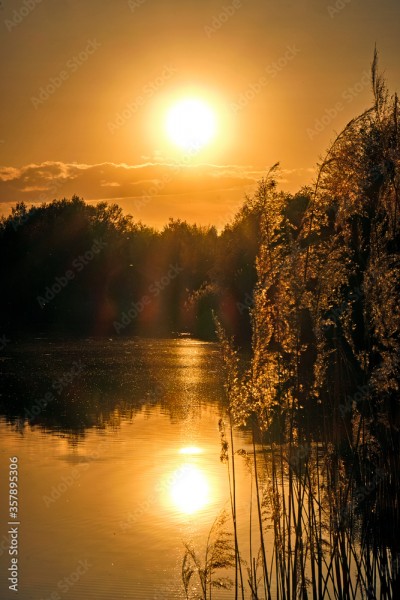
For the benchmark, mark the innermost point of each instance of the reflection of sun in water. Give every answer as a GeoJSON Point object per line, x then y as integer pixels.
{"type": "Point", "coordinates": [190, 491]}
{"type": "Point", "coordinates": [191, 124]}
{"type": "Point", "coordinates": [190, 450]}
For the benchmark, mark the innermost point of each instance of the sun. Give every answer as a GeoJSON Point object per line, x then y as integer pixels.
{"type": "Point", "coordinates": [191, 124]}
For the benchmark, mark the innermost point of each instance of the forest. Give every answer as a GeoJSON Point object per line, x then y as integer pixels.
{"type": "Point", "coordinates": [74, 268]}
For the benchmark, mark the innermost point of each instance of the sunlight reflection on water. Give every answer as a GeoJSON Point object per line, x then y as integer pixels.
{"type": "Point", "coordinates": [191, 492]}
{"type": "Point", "coordinates": [127, 493]}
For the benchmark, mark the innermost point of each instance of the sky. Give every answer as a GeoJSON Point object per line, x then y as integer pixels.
{"type": "Point", "coordinates": [87, 87]}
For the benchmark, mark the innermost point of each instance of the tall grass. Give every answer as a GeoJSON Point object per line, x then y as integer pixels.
{"type": "Point", "coordinates": [320, 393]}
{"type": "Point", "coordinates": [313, 522]}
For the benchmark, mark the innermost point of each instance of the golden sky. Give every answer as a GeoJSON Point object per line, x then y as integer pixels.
{"type": "Point", "coordinates": [87, 86]}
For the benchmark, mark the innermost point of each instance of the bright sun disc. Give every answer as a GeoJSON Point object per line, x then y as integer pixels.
{"type": "Point", "coordinates": [190, 492]}
{"type": "Point", "coordinates": [191, 124]}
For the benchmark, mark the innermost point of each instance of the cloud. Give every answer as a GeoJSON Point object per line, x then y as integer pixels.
{"type": "Point", "coordinates": [131, 180]}
{"type": "Point", "coordinates": [151, 191]}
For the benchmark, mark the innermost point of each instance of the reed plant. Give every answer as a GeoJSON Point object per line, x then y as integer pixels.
{"type": "Point", "coordinates": [320, 392]}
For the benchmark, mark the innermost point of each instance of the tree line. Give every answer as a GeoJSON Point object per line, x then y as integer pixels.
{"type": "Point", "coordinates": [71, 267]}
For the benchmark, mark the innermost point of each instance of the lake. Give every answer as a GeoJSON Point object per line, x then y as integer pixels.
{"type": "Point", "coordinates": [116, 444]}
{"type": "Point", "coordinates": [118, 456]}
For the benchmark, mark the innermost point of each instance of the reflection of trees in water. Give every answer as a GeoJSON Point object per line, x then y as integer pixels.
{"type": "Point", "coordinates": [97, 394]}
{"type": "Point", "coordinates": [73, 386]}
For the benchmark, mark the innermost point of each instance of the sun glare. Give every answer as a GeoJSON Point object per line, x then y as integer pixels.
{"type": "Point", "coordinates": [191, 124]}
{"type": "Point", "coordinates": [190, 492]}
{"type": "Point", "coordinates": [190, 450]}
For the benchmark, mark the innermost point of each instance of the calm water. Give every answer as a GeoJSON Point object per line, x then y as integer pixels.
{"type": "Point", "coordinates": [117, 470]}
